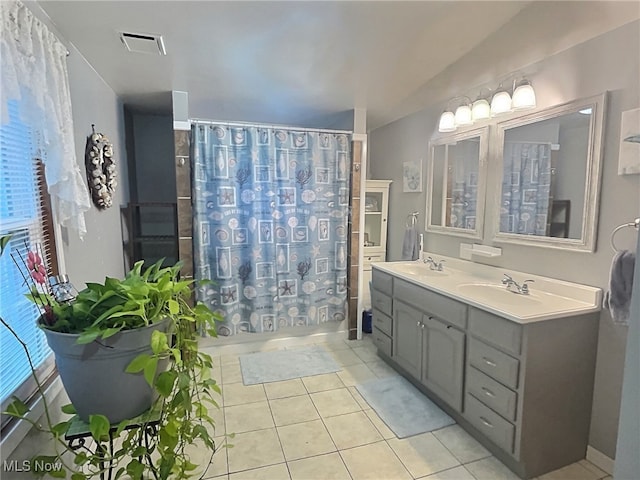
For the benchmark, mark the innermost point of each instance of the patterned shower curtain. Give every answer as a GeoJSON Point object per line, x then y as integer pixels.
{"type": "Point", "coordinates": [526, 185]}
{"type": "Point", "coordinates": [270, 225]}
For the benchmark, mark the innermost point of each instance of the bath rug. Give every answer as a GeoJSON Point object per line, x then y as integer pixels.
{"type": "Point", "coordinates": [404, 409]}
{"type": "Point", "coordinates": [266, 367]}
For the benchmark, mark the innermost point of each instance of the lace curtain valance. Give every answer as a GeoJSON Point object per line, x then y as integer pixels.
{"type": "Point", "coordinates": [34, 72]}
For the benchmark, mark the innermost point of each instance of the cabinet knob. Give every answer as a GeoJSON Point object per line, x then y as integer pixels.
{"type": "Point", "coordinates": [418, 324]}
{"type": "Point", "coordinates": [422, 325]}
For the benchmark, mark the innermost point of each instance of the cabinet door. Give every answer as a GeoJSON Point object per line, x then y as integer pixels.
{"type": "Point", "coordinates": [443, 359]}
{"type": "Point", "coordinates": [407, 338]}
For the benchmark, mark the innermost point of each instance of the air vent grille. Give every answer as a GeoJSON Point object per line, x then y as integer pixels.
{"type": "Point", "coordinates": [143, 43]}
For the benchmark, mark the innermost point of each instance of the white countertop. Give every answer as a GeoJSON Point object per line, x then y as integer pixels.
{"type": "Point", "coordinates": [481, 286]}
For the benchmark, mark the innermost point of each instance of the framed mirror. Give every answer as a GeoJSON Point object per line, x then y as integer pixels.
{"type": "Point", "coordinates": [550, 163]}
{"type": "Point", "coordinates": [456, 176]}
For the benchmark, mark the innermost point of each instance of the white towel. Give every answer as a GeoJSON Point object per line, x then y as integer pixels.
{"type": "Point", "coordinates": [410, 244]}
{"type": "Point", "coordinates": [618, 298]}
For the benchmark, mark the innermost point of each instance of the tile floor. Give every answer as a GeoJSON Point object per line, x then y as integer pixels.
{"type": "Point", "coordinates": [319, 427]}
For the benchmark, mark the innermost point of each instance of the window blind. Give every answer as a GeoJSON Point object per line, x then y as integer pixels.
{"type": "Point", "coordinates": [24, 214]}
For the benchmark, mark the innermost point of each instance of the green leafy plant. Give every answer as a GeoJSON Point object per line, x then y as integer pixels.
{"type": "Point", "coordinates": [185, 389]}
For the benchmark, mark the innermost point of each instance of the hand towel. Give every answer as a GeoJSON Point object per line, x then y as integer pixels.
{"type": "Point", "coordinates": [618, 298]}
{"type": "Point", "coordinates": [410, 244]}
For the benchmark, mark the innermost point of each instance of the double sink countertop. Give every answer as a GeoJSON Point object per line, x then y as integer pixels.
{"type": "Point", "coordinates": [481, 286]}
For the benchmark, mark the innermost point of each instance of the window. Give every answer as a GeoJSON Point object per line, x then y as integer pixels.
{"type": "Point", "coordinates": [24, 214]}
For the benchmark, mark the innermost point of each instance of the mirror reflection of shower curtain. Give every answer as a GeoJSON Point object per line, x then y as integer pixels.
{"type": "Point", "coordinates": [462, 184]}
{"type": "Point", "coordinates": [270, 225]}
{"type": "Point", "coordinates": [526, 188]}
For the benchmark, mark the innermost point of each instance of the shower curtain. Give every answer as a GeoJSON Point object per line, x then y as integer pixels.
{"type": "Point", "coordinates": [526, 188]}
{"type": "Point", "coordinates": [270, 225]}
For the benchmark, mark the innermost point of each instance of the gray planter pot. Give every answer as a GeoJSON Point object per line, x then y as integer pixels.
{"type": "Point", "coordinates": [94, 374]}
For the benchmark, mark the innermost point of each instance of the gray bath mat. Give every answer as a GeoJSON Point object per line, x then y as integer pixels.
{"type": "Point", "coordinates": [404, 409]}
{"type": "Point", "coordinates": [265, 367]}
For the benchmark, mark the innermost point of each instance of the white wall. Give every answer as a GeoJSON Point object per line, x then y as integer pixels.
{"type": "Point", "coordinates": [608, 62]}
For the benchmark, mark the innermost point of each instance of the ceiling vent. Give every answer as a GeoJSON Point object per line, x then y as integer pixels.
{"type": "Point", "coordinates": [143, 43]}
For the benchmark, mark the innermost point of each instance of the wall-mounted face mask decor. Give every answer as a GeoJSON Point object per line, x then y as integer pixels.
{"type": "Point", "coordinates": [101, 169]}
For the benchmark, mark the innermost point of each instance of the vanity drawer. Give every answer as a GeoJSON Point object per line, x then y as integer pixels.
{"type": "Point", "coordinates": [382, 341]}
{"type": "Point", "coordinates": [381, 302]}
{"type": "Point", "coordinates": [382, 322]}
{"type": "Point", "coordinates": [382, 282]}
{"type": "Point", "coordinates": [491, 393]}
{"type": "Point", "coordinates": [494, 363]}
{"type": "Point", "coordinates": [492, 425]}
{"type": "Point", "coordinates": [506, 334]}
{"type": "Point", "coordinates": [434, 304]}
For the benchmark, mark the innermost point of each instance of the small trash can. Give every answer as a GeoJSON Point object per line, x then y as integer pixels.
{"type": "Point", "coordinates": [367, 317]}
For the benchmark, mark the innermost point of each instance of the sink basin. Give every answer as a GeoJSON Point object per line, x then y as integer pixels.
{"type": "Point", "coordinates": [420, 269]}
{"type": "Point", "coordinates": [496, 293]}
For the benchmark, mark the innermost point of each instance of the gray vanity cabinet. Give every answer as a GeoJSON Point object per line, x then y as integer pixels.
{"type": "Point", "coordinates": [429, 349]}
{"type": "Point", "coordinates": [443, 361]}
{"type": "Point", "coordinates": [407, 338]}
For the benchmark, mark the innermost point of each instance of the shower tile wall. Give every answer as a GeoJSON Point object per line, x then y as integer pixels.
{"type": "Point", "coordinates": [354, 237]}
{"type": "Point", "coordinates": [183, 188]}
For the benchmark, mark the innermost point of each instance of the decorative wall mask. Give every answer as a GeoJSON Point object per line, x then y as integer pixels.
{"type": "Point", "coordinates": [101, 169]}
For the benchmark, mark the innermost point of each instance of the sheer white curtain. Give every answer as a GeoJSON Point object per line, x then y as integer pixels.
{"type": "Point", "coordinates": [34, 72]}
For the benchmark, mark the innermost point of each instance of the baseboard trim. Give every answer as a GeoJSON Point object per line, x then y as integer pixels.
{"type": "Point", "coordinates": [600, 460]}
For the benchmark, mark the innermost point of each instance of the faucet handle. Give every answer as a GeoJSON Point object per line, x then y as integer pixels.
{"type": "Point", "coordinates": [525, 286]}
{"type": "Point", "coordinates": [507, 279]}
{"type": "Point", "coordinates": [439, 265]}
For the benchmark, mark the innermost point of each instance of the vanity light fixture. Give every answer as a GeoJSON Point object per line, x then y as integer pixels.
{"type": "Point", "coordinates": [481, 110]}
{"type": "Point", "coordinates": [447, 122]}
{"type": "Point", "coordinates": [524, 97]}
{"type": "Point", "coordinates": [501, 102]}
{"type": "Point", "coordinates": [463, 115]}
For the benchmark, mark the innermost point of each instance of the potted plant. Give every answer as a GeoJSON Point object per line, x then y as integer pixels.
{"type": "Point", "coordinates": [147, 322]}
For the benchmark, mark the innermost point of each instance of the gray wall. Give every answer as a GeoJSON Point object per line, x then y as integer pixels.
{"type": "Point", "coordinates": [608, 62]}
{"type": "Point", "coordinates": [101, 253]}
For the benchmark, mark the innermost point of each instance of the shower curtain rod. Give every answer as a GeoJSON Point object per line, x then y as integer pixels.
{"type": "Point", "coordinates": [265, 125]}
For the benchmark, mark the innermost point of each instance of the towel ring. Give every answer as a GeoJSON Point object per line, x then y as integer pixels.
{"type": "Point", "coordinates": [635, 224]}
{"type": "Point", "coordinates": [412, 218]}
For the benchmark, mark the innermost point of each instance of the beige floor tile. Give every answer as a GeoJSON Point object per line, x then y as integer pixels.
{"type": "Point", "coordinates": [288, 388]}
{"type": "Point", "coordinates": [366, 354]}
{"type": "Point", "coordinates": [382, 428]}
{"type": "Point", "coordinates": [334, 402]}
{"type": "Point", "coordinates": [457, 473]}
{"type": "Point", "coordinates": [230, 359]}
{"type": "Point", "coordinates": [355, 374]}
{"type": "Point", "coordinates": [608, 477]}
{"type": "Point", "coordinates": [334, 346]}
{"type": "Point", "coordinates": [272, 472]}
{"type": "Point", "coordinates": [211, 466]}
{"type": "Point", "coordinates": [320, 383]}
{"type": "Point", "coordinates": [248, 417]}
{"type": "Point", "coordinates": [218, 417]}
{"type": "Point", "coordinates": [231, 374]}
{"type": "Point", "coordinates": [287, 411]}
{"type": "Point", "coordinates": [352, 430]}
{"type": "Point", "coordinates": [463, 446]}
{"type": "Point", "coordinates": [575, 471]}
{"type": "Point", "coordinates": [238, 394]}
{"type": "Point", "coordinates": [322, 467]}
{"type": "Point", "coordinates": [592, 468]}
{"type": "Point", "coordinates": [304, 440]}
{"type": "Point", "coordinates": [490, 469]}
{"type": "Point", "coordinates": [359, 398]}
{"type": "Point", "coordinates": [254, 449]}
{"type": "Point", "coordinates": [374, 462]}
{"type": "Point", "coordinates": [346, 357]}
{"type": "Point", "coordinates": [423, 454]}
{"type": "Point", "coordinates": [381, 370]}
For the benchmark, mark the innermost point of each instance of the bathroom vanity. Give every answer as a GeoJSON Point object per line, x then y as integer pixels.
{"type": "Point", "coordinates": [515, 370]}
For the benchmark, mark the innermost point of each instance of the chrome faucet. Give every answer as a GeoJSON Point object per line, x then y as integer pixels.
{"type": "Point", "coordinates": [519, 289]}
{"type": "Point", "coordinates": [433, 265]}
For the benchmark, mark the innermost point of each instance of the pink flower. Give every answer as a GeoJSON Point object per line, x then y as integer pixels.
{"type": "Point", "coordinates": [36, 268]}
